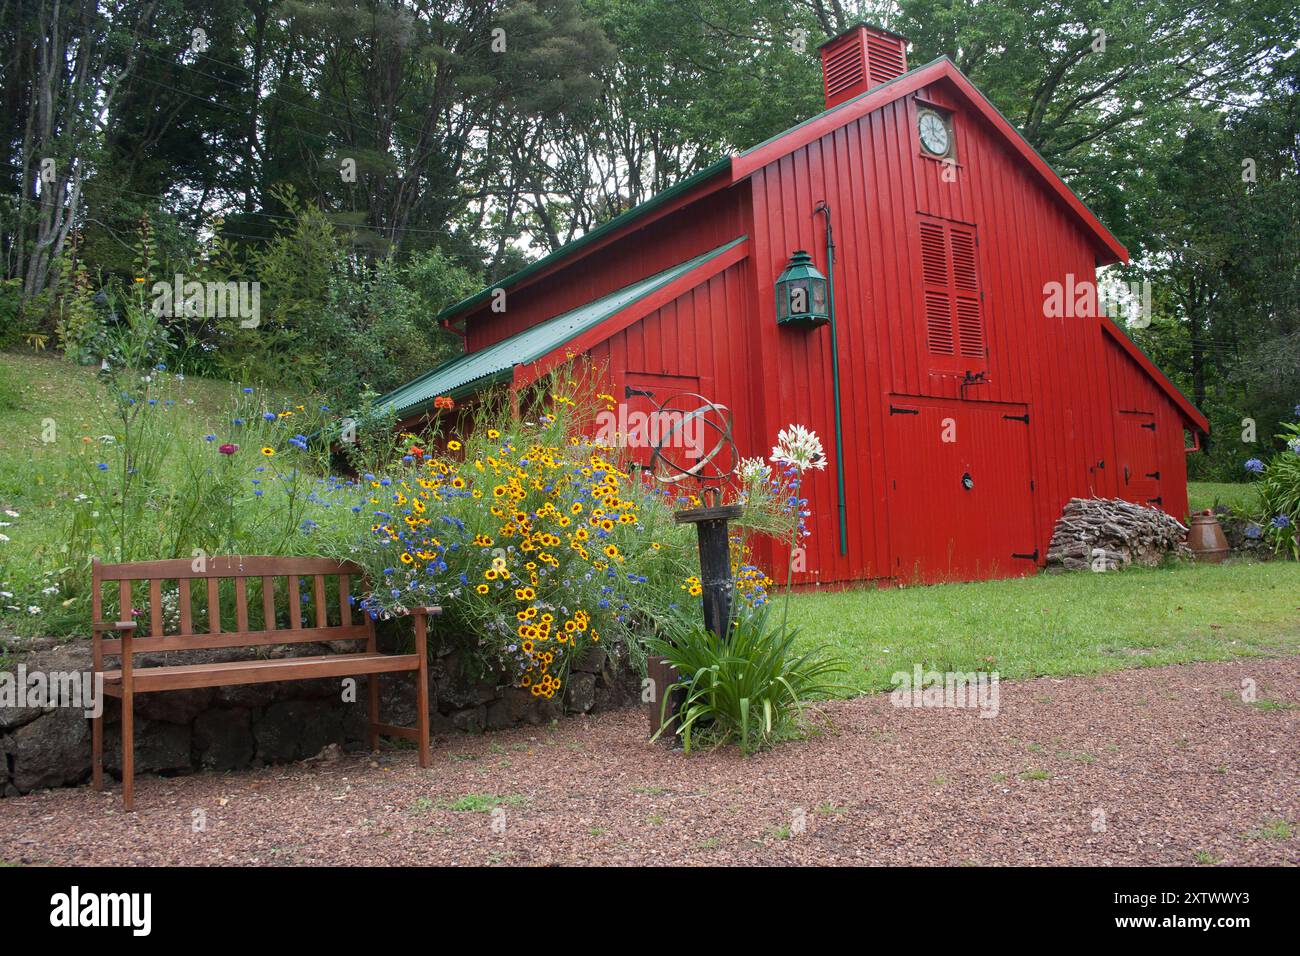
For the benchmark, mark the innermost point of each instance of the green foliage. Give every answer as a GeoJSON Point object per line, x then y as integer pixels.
{"type": "Point", "coordinates": [1279, 494]}
{"type": "Point", "coordinates": [12, 328]}
{"type": "Point", "coordinates": [750, 687]}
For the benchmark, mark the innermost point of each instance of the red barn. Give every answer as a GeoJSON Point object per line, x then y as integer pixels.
{"type": "Point", "coordinates": [969, 409]}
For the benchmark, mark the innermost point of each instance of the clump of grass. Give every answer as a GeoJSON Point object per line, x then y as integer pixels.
{"type": "Point", "coordinates": [483, 802]}
{"type": "Point", "coordinates": [1278, 829]}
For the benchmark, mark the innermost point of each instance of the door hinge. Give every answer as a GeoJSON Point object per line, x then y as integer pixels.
{"type": "Point", "coordinates": [1154, 474]}
{"type": "Point", "coordinates": [1027, 557]}
{"type": "Point", "coordinates": [1018, 418]}
{"type": "Point", "coordinates": [1158, 499]}
{"type": "Point", "coordinates": [1150, 425]}
{"type": "Point", "coordinates": [1031, 484]}
{"type": "Point", "coordinates": [896, 410]}
{"type": "Point", "coordinates": [629, 391]}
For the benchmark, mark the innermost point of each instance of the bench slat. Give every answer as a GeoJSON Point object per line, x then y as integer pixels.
{"type": "Point", "coordinates": [183, 598]}
{"type": "Point", "coordinates": [295, 602]}
{"type": "Point", "coordinates": [322, 612]}
{"type": "Point", "coordinates": [260, 672]}
{"type": "Point", "coordinates": [124, 599]}
{"type": "Point", "coordinates": [345, 609]}
{"type": "Point", "coordinates": [224, 566]}
{"type": "Point", "coordinates": [190, 642]}
{"type": "Point", "coordinates": [155, 608]}
{"type": "Point", "coordinates": [268, 603]}
{"type": "Point", "coordinates": [214, 606]}
{"type": "Point", "coordinates": [241, 605]}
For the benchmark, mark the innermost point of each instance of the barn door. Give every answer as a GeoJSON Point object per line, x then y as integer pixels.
{"type": "Point", "coordinates": [1138, 451]}
{"type": "Point", "coordinates": [960, 490]}
{"type": "Point", "coordinates": [642, 394]}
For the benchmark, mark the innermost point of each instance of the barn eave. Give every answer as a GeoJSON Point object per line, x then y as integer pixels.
{"type": "Point", "coordinates": [532, 352]}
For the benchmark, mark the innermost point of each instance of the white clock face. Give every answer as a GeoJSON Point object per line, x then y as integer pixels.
{"type": "Point", "coordinates": [934, 133]}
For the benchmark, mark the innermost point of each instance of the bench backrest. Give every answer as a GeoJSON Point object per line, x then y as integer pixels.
{"type": "Point", "coordinates": [144, 584]}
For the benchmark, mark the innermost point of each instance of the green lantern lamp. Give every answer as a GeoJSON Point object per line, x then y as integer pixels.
{"type": "Point", "coordinates": [801, 298]}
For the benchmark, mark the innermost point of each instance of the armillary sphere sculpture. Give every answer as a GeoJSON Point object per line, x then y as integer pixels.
{"type": "Point", "coordinates": [694, 446]}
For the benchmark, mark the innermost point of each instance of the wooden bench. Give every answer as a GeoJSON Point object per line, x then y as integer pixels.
{"type": "Point", "coordinates": [232, 574]}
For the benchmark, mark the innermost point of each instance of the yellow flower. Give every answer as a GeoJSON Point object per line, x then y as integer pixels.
{"type": "Point", "coordinates": [453, 445]}
{"type": "Point", "coordinates": [482, 589]}
{"type": "Point", "coordinates": [268, 451]}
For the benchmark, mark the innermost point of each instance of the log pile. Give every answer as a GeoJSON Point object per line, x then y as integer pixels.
{"type": "Point", "coordinates": [1106, 534]}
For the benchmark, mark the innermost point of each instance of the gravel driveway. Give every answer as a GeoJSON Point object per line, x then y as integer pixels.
{"type": "Point", "coordinates": [1153, 766]}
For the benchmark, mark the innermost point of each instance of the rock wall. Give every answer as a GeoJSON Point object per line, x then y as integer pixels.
{"type": "Point", "coordinates": [227, 728]}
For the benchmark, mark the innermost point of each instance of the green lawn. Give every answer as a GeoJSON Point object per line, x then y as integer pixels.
{"type": "Point", "coordinates": [1240, 496]}
{"type": "Point", "coordinates": [1057, 624]}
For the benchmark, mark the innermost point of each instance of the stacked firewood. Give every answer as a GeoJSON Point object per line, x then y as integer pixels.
{"type": "Point", "coordinates": [1105, 534]}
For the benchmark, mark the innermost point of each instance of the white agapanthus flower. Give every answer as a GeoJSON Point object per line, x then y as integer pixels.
{"type": "Point", "coordinates": [799, 448]}
{"type": "Point", "coordinates": [754, 469]}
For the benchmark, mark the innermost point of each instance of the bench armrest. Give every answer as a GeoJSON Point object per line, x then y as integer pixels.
{"type": "Point", "coordinates": [431, 610]}
{"type": "Point", "coordinates": [114, 626]}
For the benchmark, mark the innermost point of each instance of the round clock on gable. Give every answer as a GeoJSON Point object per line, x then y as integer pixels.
{"type": "Point", "coordinates": [933, 130]}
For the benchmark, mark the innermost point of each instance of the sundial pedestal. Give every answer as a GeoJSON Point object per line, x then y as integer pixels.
{"type": "Point", "coordinates": [715, 561]}
{"type": "Point", "coordinates": [716, 586]}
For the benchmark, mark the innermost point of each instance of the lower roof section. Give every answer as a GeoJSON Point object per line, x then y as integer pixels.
{"type": "Point", "coordinates": [495, 364]}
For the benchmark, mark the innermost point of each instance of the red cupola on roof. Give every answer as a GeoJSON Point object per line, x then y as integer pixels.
{"type": "Point", "coordinates": [860, 58]}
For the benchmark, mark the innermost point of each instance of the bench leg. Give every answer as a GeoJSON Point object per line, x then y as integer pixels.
{"type": "Point", "coordinates": [372, 686]}
{"type": "Point", "coordinates": [97, 752]}
{"type": "Point", "coordinates": [422, 708]}
{"type": "Point", "coordinates": [128, 748]}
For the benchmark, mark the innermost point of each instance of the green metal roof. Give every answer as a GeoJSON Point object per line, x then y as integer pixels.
{"type": "Point", "coordinates": [494, 364]}
{"type": "Point", "coordinates": [587, 238]}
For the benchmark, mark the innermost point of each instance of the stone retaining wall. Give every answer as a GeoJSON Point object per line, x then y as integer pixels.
{"type": "Point", "coordinates": [227, 728]}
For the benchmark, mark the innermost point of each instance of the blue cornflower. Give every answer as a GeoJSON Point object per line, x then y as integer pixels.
{"type": "Point", "coordinates": [1281, 521]}
{"type": "Point", "coordinates": [1254, 465]}
{"type": "Point", "coordinates": [102, 467]}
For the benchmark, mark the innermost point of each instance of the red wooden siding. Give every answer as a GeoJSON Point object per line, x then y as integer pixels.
{"type": "Point", "coordinates": [1137, 401]}
{"type": "Point", "coordinates": [689, 339]}
{"type": "Point", "coordinates": [897, 211]}
{"type": "Point", "coordinates": [703, 225]}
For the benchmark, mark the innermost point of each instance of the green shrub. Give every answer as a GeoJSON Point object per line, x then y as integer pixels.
{"type": "Point", "coordinates": [1279, 493]}
{"type": "Point", "coordinates": [751, 687]}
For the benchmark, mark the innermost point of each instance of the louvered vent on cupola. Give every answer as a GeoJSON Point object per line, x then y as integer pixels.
{"type": "Point", "coordinates": [859, 59]}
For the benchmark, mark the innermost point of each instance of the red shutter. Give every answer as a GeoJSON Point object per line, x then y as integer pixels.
{"type": "Point", "coordinates": [966, 291]}
{"type": "Point", "coordinates": [938, 289]}
{"type": "Point", "coordinates": [954, 322]}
